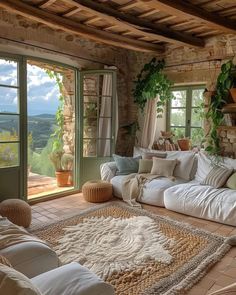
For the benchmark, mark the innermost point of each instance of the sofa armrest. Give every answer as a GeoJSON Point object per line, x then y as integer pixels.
{"type": "Point", "coordinates": [108, 171]}
{"type": "Point", "coordinates": [71, 279]}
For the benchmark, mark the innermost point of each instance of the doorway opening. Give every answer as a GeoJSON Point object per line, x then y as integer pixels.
{"type": "Point", "coordinates": [51, 128]}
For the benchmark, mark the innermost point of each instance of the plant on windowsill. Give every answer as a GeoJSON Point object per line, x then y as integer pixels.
{"type": "Point", "coordinates": [152, 83]}
{"type": "Point", "coordinates": [225, 81]}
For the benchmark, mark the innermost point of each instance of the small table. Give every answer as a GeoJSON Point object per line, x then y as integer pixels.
{"type": "Point", "coordinates": [97, 191]}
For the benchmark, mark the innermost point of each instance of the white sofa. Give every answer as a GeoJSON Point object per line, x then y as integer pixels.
{"type": "Point", "coordinates": [37, 264]}
{"type": "Point", "coordinates": [186, 194]}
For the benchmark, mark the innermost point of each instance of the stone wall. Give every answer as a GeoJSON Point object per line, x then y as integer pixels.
{"type": "Point", "coordinates": [191, 66]}
{"type": "Point", "coordinates": [228, 140]}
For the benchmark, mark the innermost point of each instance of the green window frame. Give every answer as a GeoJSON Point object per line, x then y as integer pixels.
{"type": "Point", "coordinates": [183, 117]}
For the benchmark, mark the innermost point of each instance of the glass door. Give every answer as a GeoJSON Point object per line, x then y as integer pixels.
{"type": "Point", "coordinates": [97, 93]}
{"type": "Point", "coordinates": [11, 135]}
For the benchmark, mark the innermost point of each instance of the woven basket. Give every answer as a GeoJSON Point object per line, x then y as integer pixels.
{"type": "Point", "coordinates": [97, 191]}
{"type": "Point", "coordinates": [17, 211]}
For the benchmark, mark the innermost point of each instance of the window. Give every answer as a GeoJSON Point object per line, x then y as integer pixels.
{"type": "Point", "coordinates": [184, 113]}
{"type": "Point", "coordinates": [9, 113]}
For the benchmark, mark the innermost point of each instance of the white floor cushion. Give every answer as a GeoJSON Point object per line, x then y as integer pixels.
{"type": "Point", "coordinates": [31, 258]}
{"type": "Point", "coordinates": [202, 201]}
{"type": "Point", "coordinates": [153, 193]}
{"type": "Point", "coordinates": [71, 279]}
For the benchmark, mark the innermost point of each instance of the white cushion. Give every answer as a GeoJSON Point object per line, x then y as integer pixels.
{"type": "Point", "coordinates": [13, 282]}
{"type": "Point", "coordinates": [186, 160]}
{"type": "Point", "coordinates": [108, 170]}
{"type": "Point", "coordinates": [71, 279]}
{"type": "Point", "coordinates": [202, 201]}
{"type": "Point", "coordinates": [205, 164]}
{"type": "Point", "coordinates": [31, 258]}
{"type": "Point", "coordinates": [153, 192]}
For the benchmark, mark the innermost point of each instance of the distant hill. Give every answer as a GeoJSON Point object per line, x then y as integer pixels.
{"type": "Point", "coordinates": [41, 126]}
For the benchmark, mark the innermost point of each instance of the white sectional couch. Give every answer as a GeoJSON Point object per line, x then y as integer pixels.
{"type": "Point", "coordinates": [186, 194]}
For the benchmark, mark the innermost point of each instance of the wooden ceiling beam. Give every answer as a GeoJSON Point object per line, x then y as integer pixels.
{"type": "Point", "coordinates": [65, 24]}
{"type": "Point", "coordinates": [71, 12]}
{"type": "Point", "coordinates": [164, 19]}
{"type": "Point", "coordinates": [91, 20]}
{"type": "Point", "coordinates": [128, 5]}
{"type": "Point", "coordinates": [131, 22]}
{"type": "Point", "coordinates": [187, 10]}
{"type": "Point", "coordinates": [148, 13]}
{"type": "Point", "coordinates": [46, 3]}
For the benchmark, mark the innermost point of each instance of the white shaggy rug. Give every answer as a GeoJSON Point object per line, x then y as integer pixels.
{"type": "Point", "coordinates": [106, 245]}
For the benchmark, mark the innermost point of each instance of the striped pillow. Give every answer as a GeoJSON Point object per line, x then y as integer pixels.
{"type": "Point", "coordinates": [217, 177]}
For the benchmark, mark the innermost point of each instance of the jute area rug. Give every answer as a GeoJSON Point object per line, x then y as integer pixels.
{"type": "Point", "coordinates": [136, 251]}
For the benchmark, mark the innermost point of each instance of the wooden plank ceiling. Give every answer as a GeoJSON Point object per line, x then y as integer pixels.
{"type": "Point", "coordinates": [143, 25]}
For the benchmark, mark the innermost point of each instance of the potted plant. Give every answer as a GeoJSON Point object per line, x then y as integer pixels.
{"type": "Point", "coordinates": [63, 164]}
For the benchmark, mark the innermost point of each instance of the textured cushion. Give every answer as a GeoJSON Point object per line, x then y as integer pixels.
{"type": "Point", "coordinates": [13, 282]}
{"type": "Point", "coordinates": [151, 155]}
{"type": "Point", "coordinates": [217, 177]}
{"type": "Point", "coordinates": [145, 166]}
{"type": "Point", "coordinates": [231, 182]}
{"type": "Point", "coordinates": [126, 165]}
{"type": "Point", "coordinates": [205, 164]}
{"type": "Point", "coordinates": [229, 290]}
{"type": "Point", "coordinates": [71, 279]}
{"type": "Point", "coordinates": [163, 167]}
{"type": "Point", "coordinates": [185, 165]}
{"type": "Point", "coordinates": [5, 261]}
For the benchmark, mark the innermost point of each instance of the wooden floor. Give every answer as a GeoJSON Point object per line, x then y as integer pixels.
{"type": "Point", "coordinates": [222, 274]}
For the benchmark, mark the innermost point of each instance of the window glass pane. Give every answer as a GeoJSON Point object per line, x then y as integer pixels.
{"type": "Point", "coordinates": [178, 132]}
{"type": "Point", "coordinates": [91, 85]}
{"type": "Point", "coordinates": [197, 136]}
{"type": "Point", "coordinates": [9, 100]}
{"type": "Point", "coordinates": [197, 97]}
{"type": "Point", "coordinates": [8, 72]}
{"type": "Point", "coordinates": [104, 148]}
{"type": "Point", "coordinates": [178, 117]}
{"type": "Point", "coordinates": [90, 110]}
{"type": "Point", "coordinates": [90, 148]}
{"type": "Point", "coordinates": [9, 154]}
{"type": "Point", "coordinates": [196, 120]}
{"type": "Point", "coordinates": [180, 98]}
{"type": "Point", "coordinates": [9, 127]}
{"type": "Point", "coordinates": [90, 131]}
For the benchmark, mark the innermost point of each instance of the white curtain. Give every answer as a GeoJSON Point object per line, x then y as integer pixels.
{"type": "Point", "coordinates": [105, 124]}
{"type": "Point", "coordinates": [149, 125]}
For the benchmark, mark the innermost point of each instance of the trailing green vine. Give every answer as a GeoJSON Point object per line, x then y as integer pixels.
{"type": "Point", "coordinates": [225, 81]}
{"type": "Point", "coordinates": [150, 83]}
{"type": "Point", "coordinates": [58, 132]}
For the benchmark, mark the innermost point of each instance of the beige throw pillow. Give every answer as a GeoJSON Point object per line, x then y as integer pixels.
{"type": "Point", "coordinates": [163, 167]}
{"type": "Point", "coordinates": [13, 282]}
{"type": "Point", "coordinates": [145, 166]}
{"type": "Point", "coordinates": [231, 182]}
{"type": "Point", "coordinates": [217, 177]}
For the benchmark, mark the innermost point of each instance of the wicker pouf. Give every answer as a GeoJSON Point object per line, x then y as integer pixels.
{"type": "Point", "coordinates": [97, 191]}
{"type": "Point", "coordinates": [17, 211]}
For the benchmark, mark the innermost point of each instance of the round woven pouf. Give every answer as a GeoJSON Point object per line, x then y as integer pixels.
{"type": "Point", "coordinates": [97, 191]}
{"type": "Point", "coordinates": [17, 211]}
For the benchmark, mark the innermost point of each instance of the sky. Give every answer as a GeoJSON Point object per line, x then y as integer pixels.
{"type": "Point", "coordinates": [42, 91]}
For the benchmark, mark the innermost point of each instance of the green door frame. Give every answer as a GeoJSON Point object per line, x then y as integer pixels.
{"type": "Point", "coordinates": [94, 160]}
{"type": "Point", "coordinates": [23, 133]}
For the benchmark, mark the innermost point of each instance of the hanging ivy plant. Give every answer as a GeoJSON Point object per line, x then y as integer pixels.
{"type": "Point", "coordinates": [225, 81]}
{"type": "Point", "coordinates": [150, 83]}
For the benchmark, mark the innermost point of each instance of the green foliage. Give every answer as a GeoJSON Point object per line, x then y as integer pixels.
{"type": "Point", "coordinates": [150, 83]}
{"type": "Point", "coordinates": [8, 151]}
{"type": "Point", "coordinates": [225, 81]}
{"type": "Point", "coordinates": [67, 162]}
{"type": "Point", "coordinates": [58, 132]}
{"type": "Point", "coordinates": [39, 162]}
